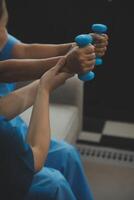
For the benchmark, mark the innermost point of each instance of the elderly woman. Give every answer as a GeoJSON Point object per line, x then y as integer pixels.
{"type": "Point", "coordinates": [32, 165]}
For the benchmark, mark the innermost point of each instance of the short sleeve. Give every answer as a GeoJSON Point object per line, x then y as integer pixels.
{"type": "Point", "coordinates": [17, 160]}
{"type": "Point", "coordinates": [6, 52]}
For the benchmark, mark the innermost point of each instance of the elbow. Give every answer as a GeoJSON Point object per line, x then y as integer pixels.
{"type": "Point", "coordinates": [39, 159]}
{"type": "Point", "coordinates": [19, 51]}
{"type": "Point", "coordinates": [38, 166]}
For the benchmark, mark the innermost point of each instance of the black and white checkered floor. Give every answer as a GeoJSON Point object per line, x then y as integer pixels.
{"type": "Point", "coordinates": [108, 141]}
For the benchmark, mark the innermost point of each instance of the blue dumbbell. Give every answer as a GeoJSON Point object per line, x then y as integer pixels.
{"type": "Point", "coordinates": [82, 41]}
{"type": "Point", "coordinates": [99, 29]}
{"type": "Point", "coordinates": [86, 39]}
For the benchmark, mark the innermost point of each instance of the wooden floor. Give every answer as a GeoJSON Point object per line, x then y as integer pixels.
{"type": "Point", "coordinates": [110, 182]}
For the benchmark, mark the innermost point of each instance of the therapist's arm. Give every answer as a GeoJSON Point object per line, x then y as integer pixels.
{"type": "Point", "coordinates": [39, 128]}
{"type": "Point", "coordinates": [18, 101]}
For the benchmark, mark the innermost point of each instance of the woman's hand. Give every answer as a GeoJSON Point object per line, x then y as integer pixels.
{"type": "Point", "coordinates": [80, 60]}
{"type": "Point", "coordinates": [55, 77]}
{"type": "Point", "coordinates": [100, 43]}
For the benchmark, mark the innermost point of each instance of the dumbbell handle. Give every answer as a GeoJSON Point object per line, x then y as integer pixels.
{"type": "Point", "coordinates": [99, 29]}
{"type": "Point", "coordinates": [84, 40]}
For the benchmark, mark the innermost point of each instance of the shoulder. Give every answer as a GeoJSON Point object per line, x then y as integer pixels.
{"type": "Point", "coordinates": [8, 44]}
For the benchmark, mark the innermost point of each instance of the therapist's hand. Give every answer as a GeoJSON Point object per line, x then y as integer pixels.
{"type": "Point", "coordinates": [55, 77]}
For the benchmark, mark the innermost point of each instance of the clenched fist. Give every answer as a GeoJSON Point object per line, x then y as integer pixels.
{"type": "Point", "coordinates": [80, 60]}
{"type": "Point", "coordinates": [100, 43]}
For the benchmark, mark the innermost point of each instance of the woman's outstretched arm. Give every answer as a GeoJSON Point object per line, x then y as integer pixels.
{"type": "Point", "coordinates": [38, 51]}
{"type": "Point", "coordinates": [82, 59]}
{"type": "Point", "coordinates": [14, 70]}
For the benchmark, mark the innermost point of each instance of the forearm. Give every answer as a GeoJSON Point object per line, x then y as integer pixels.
{"type": "Point", "coordinates": [18, 101]}
{"type": "Point", "coordinates": [37, 51]}
{"type": "Point", "coordinates": [39, 128]}
{"type": "Point", "coordinates": [23, 70]}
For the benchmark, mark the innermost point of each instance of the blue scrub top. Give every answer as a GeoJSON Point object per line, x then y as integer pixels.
{"type": "Point", "coordinates": [5, 89]}
{"type": "Point", "coordinates": [16, 163]}
{"type": "Point", "coordinates": [6, 54]}
{"type": "Point", "coordinates": [16, 158]}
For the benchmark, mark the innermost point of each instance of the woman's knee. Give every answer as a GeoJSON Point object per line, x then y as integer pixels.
{"type": "Point", "coordinates": [62, 188]}
{"type": "Point", "coordinates": [57, 179]}
{"type": "Point", "coordinates": [58, 185]}
{"type": "Point", "coordinates": [46, 185]}
{"type": "Point", "coordinates": [70, 152]}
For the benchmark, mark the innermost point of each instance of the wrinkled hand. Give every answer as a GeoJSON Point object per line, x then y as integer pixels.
{"type": "Point", "coordinates": [100, 43]}
{"type": "Point", "coordinates": [80, 60]}
{"type": "Point", "coordinates": [55, 77]}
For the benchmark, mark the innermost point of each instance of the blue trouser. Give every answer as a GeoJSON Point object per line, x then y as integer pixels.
{"type": "Point", "coordinates": [62, 177]}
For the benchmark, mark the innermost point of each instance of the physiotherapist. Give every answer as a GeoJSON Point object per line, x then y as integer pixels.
{"type": "Point", "coordinates": [62, 175]}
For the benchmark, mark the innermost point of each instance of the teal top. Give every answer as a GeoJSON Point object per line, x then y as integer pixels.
{"type": "Point", "coordinates": [6, 54]}
{"type": "Point", "coordinates": [17, 169]}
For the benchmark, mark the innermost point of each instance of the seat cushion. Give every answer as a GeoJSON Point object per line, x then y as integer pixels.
{"type": "Point", "coordinates": [64, 121]}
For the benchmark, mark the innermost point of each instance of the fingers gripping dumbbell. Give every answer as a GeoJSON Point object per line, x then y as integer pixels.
{"type": "Point", "coordinates": [99, 29]}
{"type": "Point", "coordinates": [82, 41]}
{"type": "Point", "coordinates": [86, 39]}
